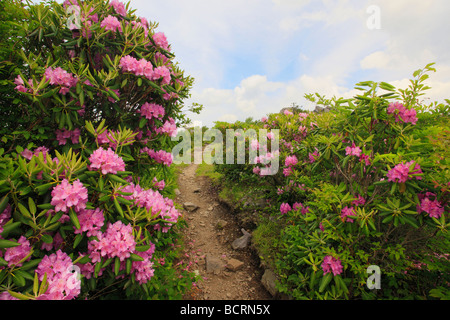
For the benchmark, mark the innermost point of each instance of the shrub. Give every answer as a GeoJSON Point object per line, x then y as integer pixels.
{"type": "Point", "coordinates": [84, 165]}
{"type": "Point", "coordinates": [364, 184]}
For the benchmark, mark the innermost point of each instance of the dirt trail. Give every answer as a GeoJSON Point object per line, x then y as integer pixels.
{"type": "Point", "coordinates": [228, 274]}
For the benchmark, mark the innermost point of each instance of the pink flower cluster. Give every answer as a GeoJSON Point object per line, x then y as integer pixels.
{"type": "Point", "coordinates": [90, 221]}
{"type": "Point", "coordinates": [285, 208]}
{"type": "Point", "coordinates": [111, 23]}
{"type": "Point", "coordinates": [152, 110]}
{"type": "Point", "coordinates": [143, 67]}
{"type": "Point", "coordinates": [402, 172]}
{"type": "Point", "coordinates": [119, 7]}
{"type": "Point", "coordinates": [347, 213]}
{"type": "Point", "coordinates": [64, 134]}
{"type": "Point", "coordinates": [161, 41]}
{"type": "Point", "coordinates": [107, 161]}
{"type": "Point", "coordinates": [313, 156]}
{"type": "Point", "coordinates": [160, 156]}
{"type": "Point", "coordinates": [290, 161]}
{"type": "Point", "coordinates": [66, 195]}
{"type": "Point", "coordinates": [169, 127]}
{"type": "Point", "coordinates": [303, 209]}
{"type": "Point", "coordinates": [401, 113]}
{"type": "Point", "coordinates": [433, 207]}
{"type": "Point", "coordinates": [353, 150]}
{"type": "Point", "coordinates": [143, 270]}
{"type": "Point", "coordinates": [60, 77]}
{"type": "Point", "coordinates": [116, 241]}
{"type": "Point", "coordinates": [21, 85]}
{"type": "Point", "coordinates": [153, 201]}
{"type": "Point", "coordinates": [63, 280]}
{"type": "Point", "coordinates": [15, 254]}
{"type": "Point", "coordinates": [331, 264]}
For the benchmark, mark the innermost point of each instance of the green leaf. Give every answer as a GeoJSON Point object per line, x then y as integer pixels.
{"type": "Point", "coordinates": [135, 257]}
{"type": "Point", "coordinates": [325, 281]}
{"type": "Point", "coordinates": [8, 244]}
{"type": "Point", "coordinates": [47, 238]}
{"type": "Point", "coordinates": [74, 219]}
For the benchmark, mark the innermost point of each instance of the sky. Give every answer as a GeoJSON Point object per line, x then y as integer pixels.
{"type": "Point", "coordinates": [254, 57]}
{"type": "Point", "coordinates": [250, 58]}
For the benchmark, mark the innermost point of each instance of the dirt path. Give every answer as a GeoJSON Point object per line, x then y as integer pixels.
{"type": "Point", "coordinates": [228, 274]}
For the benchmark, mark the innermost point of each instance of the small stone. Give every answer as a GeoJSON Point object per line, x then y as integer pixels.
{"type": "Point", "coordinates": [189, 206]}
{"type": "Point", "coordinates": [197, 190]}
{"type": "Point", "coordinates": [241, 242]}
{"type": "Point", "coordinates": [234, 264]}
{"type": "Point", "coordinates": [269, 280]}
{"type": "Point", "coordinates": [213, 264]}
{"type": "Point", "coordinates": [177, 192]}
{"type": "Point", "coordinates": [221, 224]}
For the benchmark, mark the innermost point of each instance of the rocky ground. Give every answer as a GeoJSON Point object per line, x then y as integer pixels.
{"type": "Point", "coordinates": [217, 248]}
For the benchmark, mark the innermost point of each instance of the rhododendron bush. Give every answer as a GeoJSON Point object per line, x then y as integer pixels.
{"type": "Point", "coordinates": [85, 172]}
{"type": "Point", "coordinates": [366, 183]}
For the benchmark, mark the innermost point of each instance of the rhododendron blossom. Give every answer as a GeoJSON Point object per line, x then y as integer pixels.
{"type": "Point", "coordinates": [107, 161]}
{"type": "Point", "coordinates": [66, 195]}
{"type": "Point", "coordinates": [332, 264]}
{"type": "Point", "coordinates": [14, 255]}
{"type": "Point", "coordinates": [116, 241]}
{"type": "Point", "coordinates": [152, 110]}
{"type": "Point", "coordinates": [290, 161]}
{"type": "Point", "coordinates": [353, 150]}
{"type": "Point", "coordinates": [401, 113]}
{"type": "Point", "coordinates": [119, 7]}
{"type": "Point", "coordinates": [90, 221]}
{"type": "Point", "coordinates": [433, 207]}
{"type": "Point", "coordinates": [111, 23]}
{"type": "Point", "coordinates": [160, 156]}
{"type": "Point", "coordinates": [401, 172]}
{"type": "Point", "coordinates": [285, 208]}
{"type": "Point", "coordinates": [161, 40]}
{"type": "Point", "coordinates": [60, 77]}
{"type": "Point", "coordinates": [347, 214]}
{"type": "Point", "coordinates": [63, 282]}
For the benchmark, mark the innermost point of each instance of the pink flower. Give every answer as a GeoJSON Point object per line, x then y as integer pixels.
{"type": "Point", "coordinates": [401, 113]}
{"type": "Point", "coordinates": [90, 221]}
{"type": "Point", "coordinates": [107, 161]}
{"type": "Point", "coordinates": [63, 282]}
{"type": "Point", "coordinates": [433, 207]}
{"type": "Point", "coordinates": [285, 208]}
{"type": "Point", "coordinates": [256, 170]}
{"type": "Point", "coordinates": [119, 7]}
{"type": "Point", "coordinates": [161, 40]}
{"type": "Point", "coordinates": [160, 156]}
{"type": "Point", "coordinates": [161, 72]}
{"type": "Point", "coordinates": [401, 172]}
{"type": "Point", "coordinates": [20, 84]}
{"type": "Point", "coordinates": [313, 156]}
{"type": "Point", "coordinates": [66, 195]}
{"type": "Point", "coordinates": [331, 264]}
{"type": "Point", "coordinates": [111, 23]}
{"type": "Point", "coordinates": [117, 241]}
{"type": "Point", "coordinates": [290, 161]}
{"type": "Point", "coordinates": [152, 110]}
{"type": "Point", "coordinates": [359, 202]}
{"type": "Point", "coordinates": [60, 77]}
{"type": "Point", "coordinates": [15, 254]}
{"type": "Point", "coordinates": [346, 213]}
{"type": "Point", "coordinates": [353, 150]}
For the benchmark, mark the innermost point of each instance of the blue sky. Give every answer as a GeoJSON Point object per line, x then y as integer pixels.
{"type": "Point", "coordinates": [253, 57]}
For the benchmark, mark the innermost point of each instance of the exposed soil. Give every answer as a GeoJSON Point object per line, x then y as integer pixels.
{"type": "Point", "coordinates": [208, 244]}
